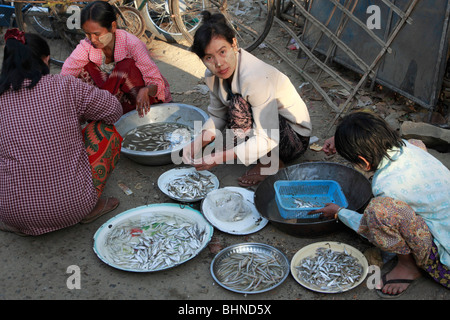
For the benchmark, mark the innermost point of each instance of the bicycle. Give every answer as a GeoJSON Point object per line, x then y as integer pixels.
{"type": "Point", "coordinates": [51, 19]}
{"type": "Point", "coordinates": [251, 19]}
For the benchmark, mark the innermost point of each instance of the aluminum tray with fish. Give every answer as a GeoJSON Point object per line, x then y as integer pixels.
{"type": "Point", "coordinates": [152, 238]}
{"type": "Point", "coordinates": [187, 184]}
{"type": "Point", "coordinates": [250, 268]}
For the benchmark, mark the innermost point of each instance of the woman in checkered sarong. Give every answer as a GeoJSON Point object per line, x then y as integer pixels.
{"type": "Point", "coordinates": [117, 61]}
{"type": "Point", "coordinates": [52, 172]}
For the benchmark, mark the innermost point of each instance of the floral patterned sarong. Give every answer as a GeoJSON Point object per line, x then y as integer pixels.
{"type": "Point", "coordinates": [394, 227]}
{"type": "Point", "coordinates": [240, 120]}
{"type": "Point", "coordinates": [103, 144]}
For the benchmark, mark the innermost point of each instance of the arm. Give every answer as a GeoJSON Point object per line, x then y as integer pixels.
{"type": "Point", "coordinates": [92, 103]}
{"type": "Point", "coordinates": [156, 84]}
{"type": "Point", "coordinates": [77, 60]}
{"type": "Point", "coordinates": [350, 218]}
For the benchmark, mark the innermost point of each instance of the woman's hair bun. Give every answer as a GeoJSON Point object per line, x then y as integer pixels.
{"type": "Point", "coordinates": [213, 18]}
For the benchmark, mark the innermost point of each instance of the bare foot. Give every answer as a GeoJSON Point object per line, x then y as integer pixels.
{"type": "Point", "coordinates": [253, 176]}
{"type": "Point", "coordinates": [407, 269]}
{"type": "Point", "coordinates": [103, 206]}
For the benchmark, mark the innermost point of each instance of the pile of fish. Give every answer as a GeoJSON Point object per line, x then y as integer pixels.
{"type": "Point", "coordinates": [250, 271]}
{"type": "Point", "coordinates": [192, 185]}
{"type": "Point", "coordinates": [155, 243]}
{"type": "Point", "coordinates": [330, 269]}
{"type": "Point", "coordinates": [157, 136]}
{"type": "Point", "coordinates": [306, 204]}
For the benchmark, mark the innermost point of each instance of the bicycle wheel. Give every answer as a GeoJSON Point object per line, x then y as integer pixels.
{"type": "Point", "coordinates": [51, 24]}
{"type": "Point", "coordinates": [131, 20]}
{"type": "Point", "coordinates": [158, 20]}
{"type": "Point", "coordinates": [251, 19]}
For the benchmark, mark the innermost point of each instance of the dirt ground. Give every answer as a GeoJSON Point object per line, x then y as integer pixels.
{"type": "Point", "coordinates": [36, 268]}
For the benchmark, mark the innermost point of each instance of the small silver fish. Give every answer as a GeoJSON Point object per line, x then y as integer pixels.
{"type": "Point", "coordinates": [152, 244]}
{"type": "Point", "coordinates": [157, 136]}
{"type": "Point", "coordinates": [192, 185]}
{"type": "Point", "coordinates": [330, 269]}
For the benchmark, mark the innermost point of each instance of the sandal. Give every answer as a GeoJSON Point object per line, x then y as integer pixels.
{"type": "Point", "coordinates": [91, 217]}
{"type": "Point", "coordinates": [395, 295]}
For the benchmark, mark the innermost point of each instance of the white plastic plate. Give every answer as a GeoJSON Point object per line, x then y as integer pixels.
{"type": "Point", "coordinates": [250, 224]}
{"type": "Point", "coordinates": [175, 173]}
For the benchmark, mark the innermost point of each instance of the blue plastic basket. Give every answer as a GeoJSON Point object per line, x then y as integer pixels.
{"type": "Point", "coordinates": [295, 198]}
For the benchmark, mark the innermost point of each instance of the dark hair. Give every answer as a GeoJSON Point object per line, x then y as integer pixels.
{"type": "Point", "coordinates": [23, 61]}
{"type": "Point", "coordinates": [99, 11]}
{"type": "Point", "coordinates": [213, 25]}
{"type": "Point", "coordinates": [367, 135]}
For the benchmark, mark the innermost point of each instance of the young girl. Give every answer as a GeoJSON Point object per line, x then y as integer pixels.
{"type": "Point", "coordinates": [269, 121]}
{"type": "Point", "coordinates": [117, 61]}
{"type": "Point", "coordinates": [410, 212]}
{"type": "Point", "coordinates": [52, 172]}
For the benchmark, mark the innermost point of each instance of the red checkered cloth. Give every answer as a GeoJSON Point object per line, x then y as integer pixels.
{"type": "Point", "coordinates": [46, 179]}
{"type": "Point", "coordinates": [126, 46]}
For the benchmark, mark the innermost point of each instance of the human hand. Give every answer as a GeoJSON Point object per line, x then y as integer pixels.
{"type": "Point", "coordinates": [329, 147]}
{"type": "Point", "coordinates": [328, 212]}
{"type": "Point", "coordinates": [206, 163]}
{"type": "Point", "coordinates": [143, 102]}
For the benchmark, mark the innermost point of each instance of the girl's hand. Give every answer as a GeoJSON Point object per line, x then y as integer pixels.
{"type": "Point", "coordinates": [328, 212]}
{"type": "Point", "coordinates": [329, 147]}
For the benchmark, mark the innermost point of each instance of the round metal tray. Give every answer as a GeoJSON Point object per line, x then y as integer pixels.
{"type": "Point", "coordinates": [169, 209]}
{"type": "Point", "coordinates": [249, 248]}
{"type": "Point", "coordinates": [175, 173]}
{"type": "Point", "coordinates": [310, 250]}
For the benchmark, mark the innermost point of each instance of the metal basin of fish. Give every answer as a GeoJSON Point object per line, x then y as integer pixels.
{"type": "Point", "coordinates": [152, 238]}
{"type": "Point", "coordinates": [342, 267]}
{"type": "Point", "coordinates": [187, 184]}
{"type": "Point", "coordinates": [182, 114]}
{"type": "Point", "coordinates": [355, 185]}
{"type": "Point", "coordinates": [250, 268]}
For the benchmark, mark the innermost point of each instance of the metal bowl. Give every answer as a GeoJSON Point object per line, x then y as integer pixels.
{"type": "Point", "coordinates": [249, 248]}
{"type": "Point", "coordinates": [355, 185]}
{"type": "Point", "coordinates": [165, 112]}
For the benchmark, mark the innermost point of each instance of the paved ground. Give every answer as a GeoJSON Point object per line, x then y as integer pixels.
{"type": "Point", "coordinates": [40, 267]}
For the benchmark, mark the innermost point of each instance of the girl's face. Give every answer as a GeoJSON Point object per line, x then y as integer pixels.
{"type": "Point", "coordinates": [220, 57]}
{"type": "Point", "coordinates": [99, 36]}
